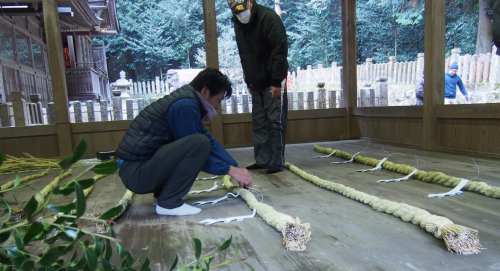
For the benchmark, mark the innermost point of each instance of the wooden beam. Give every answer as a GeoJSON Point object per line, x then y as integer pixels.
{"type": "Point", "coordinates": [349, 61]}
{"type": "Point", "coordinates": [27, 131]}
{"type": "Point", "coordinates": [389, 112]}
{"type": "Point", "coordinates": [468, 111]}
{"type": "Point", "coordinates": [210, 23]}
{"type": "Point", "coordinates": [292, 115]}
{"type": "Point", "coordinates": [434, 47]}
{"type": "Point", "coordinates": [58, 76]}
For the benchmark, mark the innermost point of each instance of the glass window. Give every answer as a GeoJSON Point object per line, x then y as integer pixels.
{"type": "Point", "coordinates": [6, 44]}
{"type": "Point", "coordinates": [37, 56]}
{"type": "Point", "coordinates": [23, 53]}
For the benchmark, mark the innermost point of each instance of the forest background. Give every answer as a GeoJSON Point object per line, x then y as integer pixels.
{"type": "Point", "coordinates": [157, 35]}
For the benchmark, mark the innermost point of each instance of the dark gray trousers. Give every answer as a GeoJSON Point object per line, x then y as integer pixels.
{"type": "Point", "coordinates": [170, 173]}
{"type": "Point", "coordinates": [269, 117]}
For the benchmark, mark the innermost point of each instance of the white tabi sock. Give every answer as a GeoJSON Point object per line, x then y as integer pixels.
{"type": "Point", "coordinates": [185, 209]}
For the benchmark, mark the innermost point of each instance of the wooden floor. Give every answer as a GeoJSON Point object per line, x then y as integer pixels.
{"type": "Point", "coordinates": [346, 235]}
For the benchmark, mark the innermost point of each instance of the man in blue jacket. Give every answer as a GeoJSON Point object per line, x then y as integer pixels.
{"type": "Point", "coordinates": [263, 48]}
{"type": "Point", "coordinates": [166, 146]}
{"type": "Point", "coordinates": [450, 84]}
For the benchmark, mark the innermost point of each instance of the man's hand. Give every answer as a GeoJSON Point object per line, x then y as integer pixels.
{"type": "Point", "coordinates": [241, 175]}
{"type": "Point", "coordinates": [250, 91]}
{"type": "Point", "coordinates": [275, 92]}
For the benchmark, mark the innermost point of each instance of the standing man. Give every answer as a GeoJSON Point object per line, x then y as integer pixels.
{"type": "Point", "coordinates": [263, 49]}
{"type": "Point", "coordinates": [450, 85]}
{"type": "Point", "coordinates": [419, 89]}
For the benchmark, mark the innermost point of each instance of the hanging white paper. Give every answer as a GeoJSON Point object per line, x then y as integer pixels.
{"type": "Point", "coordinates": [453, 192]}
{"type": "Point", "coordinates": [323, 156]}
{"type": "Point", "coordinates": [378, 167]}
{"type": "Point", "coordinates": [215, 187]}
{"type": "Point", "coordinates": [210, 221]}
{"type": "Point", "coordinates": [217, 200]}
{"type": "Point", "coordinates": [345, 162]}
{"type": "Point", "coordinates": [405, 178]}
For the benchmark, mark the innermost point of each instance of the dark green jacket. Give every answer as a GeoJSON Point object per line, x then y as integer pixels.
{"type": "Point", "coordinates": [263, 48]}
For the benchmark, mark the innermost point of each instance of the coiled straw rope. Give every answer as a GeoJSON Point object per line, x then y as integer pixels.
{"type": "Point", "coordinates": [24, 179]}
{"type": "Point", "coordinates": [458, 239]}
{"type": "Point", "coordinates": [295, 234]}
{"type": "Point", "coordinates": [429, 177]}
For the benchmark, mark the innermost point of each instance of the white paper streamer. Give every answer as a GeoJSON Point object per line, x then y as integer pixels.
{"type": "Point", "coordinates": [378, 167]}
{"type": "Point", "coordinates": [210, 221]}
{"type": "Point", "coordinates": [215, 187]}
{"type": "Point", "coordinates": [453, 192]}
{"type": "Point", "coordinates": [405, 178]}
{"type": "Point", "coordinates": [208, 178]}
{"type": "Point", "coordinates": [217, 200]}
{"type": "Point", "coordinates": [323, 156]}
{"type": "Point", "coordinates": [345, 162]}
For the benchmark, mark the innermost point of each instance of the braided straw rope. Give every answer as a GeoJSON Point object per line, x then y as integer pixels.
{"type": "Point", "coordinates": [295, 235]}
{"type": "Point", "coordinates": [24, 179]}
{"type": "Point", "coordinates": [458, 239]}
{"type": "Point", "coordinates": [46, 190]}
{"type": "Point", "coordinates": [124, 202]}
{"type": "Point", "coordinates": [429, 177]}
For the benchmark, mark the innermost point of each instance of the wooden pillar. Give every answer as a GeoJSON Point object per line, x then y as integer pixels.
{"type": "Point", "coordinates": [349, 61]}
{"type": "Point", "coordinates": [79, 50]}
{"type": "Point", "coordinates": [71, 48]}
{"type": "Point", "coordinates": [210, 23]}
{"type": "Point", "coordinates": [58, 77]}
{"type": "Point", "coordinates": [434, 48]}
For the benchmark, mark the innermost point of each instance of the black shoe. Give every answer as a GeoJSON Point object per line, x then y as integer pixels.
{"type": "Point", "coordinates": [255, 166]}
{"type": "Point", "coordinates": [272, 170]}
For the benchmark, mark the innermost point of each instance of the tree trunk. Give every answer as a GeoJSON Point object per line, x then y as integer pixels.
{"type": "Point", "coordinates": [484, 29]}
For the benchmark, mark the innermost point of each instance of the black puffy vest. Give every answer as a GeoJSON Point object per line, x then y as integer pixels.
{"type": "Point", "coordinates": [150, 130]}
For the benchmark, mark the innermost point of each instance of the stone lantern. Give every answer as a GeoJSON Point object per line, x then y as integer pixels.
{"type": "Point", "coordinates": [123, 85]}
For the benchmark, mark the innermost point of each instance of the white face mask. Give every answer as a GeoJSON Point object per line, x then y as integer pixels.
{"type": "Point", "coordinates": [244, 17]}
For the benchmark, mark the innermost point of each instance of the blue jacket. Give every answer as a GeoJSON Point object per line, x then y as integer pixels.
{"type": "Point", "coordinates": [450, 86]}
{"type": "Point", "coordinates": [184, 118]}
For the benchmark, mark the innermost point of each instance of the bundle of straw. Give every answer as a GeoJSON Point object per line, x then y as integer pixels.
{"type": "Point", "coordinates": [430, 177]}
{"type": "Point", "coordinates": [458, 239]}
{"type": "Point", "coordinates": [295, 234]}
{"type": "Point", "coordinates": [15, 164]}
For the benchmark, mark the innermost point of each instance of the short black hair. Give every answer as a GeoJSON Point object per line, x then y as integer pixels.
{"type": "Point", "coordinates": [214, 80]}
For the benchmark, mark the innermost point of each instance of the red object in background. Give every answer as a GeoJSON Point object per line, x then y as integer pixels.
{"type": "Point", "coordinates": [289, 81]}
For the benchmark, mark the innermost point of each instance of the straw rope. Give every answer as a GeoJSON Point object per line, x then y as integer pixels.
{"type": "Point", "coordinates": [295, 234]}
{"type": "Point", "coordinates": [429, 177]}
{"type": "Point", "coordinates": [458, 239]}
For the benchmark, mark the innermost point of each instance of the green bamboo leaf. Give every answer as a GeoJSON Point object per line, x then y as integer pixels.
{"type": "Point", "coordinates": [30, 207]}
{"type": "Point", "coordinates": [197, 248]}
{"type": "Point", "coordinates": [249, 266]}
{"type": "Point", "coordinates": [207, 261]}
{"type": "Point", "coordinates": [62, 208]}
{"type": "Point", "coordinates": [174, 264]}
{"type": "Point", "coordinates": [5, 260]}
{"type": "Point", "coordinates": [80, 200]}
{"type": "Point", "coordinates": [106, 168]}
{"type": "Point", "coordinates": [98, 247]}
{"type": "Point", "coordinates": [112, 232]}
{"type": "Point", "coordinates": [27, 266]}
{"type": "Point", "coordinates": [183, 266]}
{"type": "Point", "coordinates": [111, 213]}
{"type": "Point", "coordinates": [145, 265]}
{"type": "Point", "coordinates": [121, 251]}
{"type": "Point", "coordinates": [4, 236]}
{"type": "Point", "coordinates": [33, 231]}
{"type": "Point", "coordinates": [75, 254]}
{"type": "Point", "coordinates": [226, 244]}
{"type": "Point", "coordinates": [80, 149]}
{"type": "Point", "coordinates": [86, 183]}
{"type": "Point", "coordinates": [18, 181]}
{"type": "Point", "coordinates": [91, 258]}
{"type": "Point", "coordinates": [105, 265]}
{"type": "Point", "coordinates": [18, 238]}
{"type": "Point", "coordinates": [80, 264]}
{"type": "Point", "coordinates": [49, 257]}
{"type": "Point", "coordinates": [65, 163]}
{"type": "Point", "coordinates": [109, 250]}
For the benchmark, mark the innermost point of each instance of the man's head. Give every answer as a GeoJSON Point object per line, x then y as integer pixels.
{"type": "Point", "coordinates": [241, 9]}
{"type": "Point", "coordinates": [213, 85]}
{"type": "Point", "coordinates": [453, 68]}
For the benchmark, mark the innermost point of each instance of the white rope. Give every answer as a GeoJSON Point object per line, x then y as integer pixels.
{"type": "Point", "coordinates": [215, 187]}
{"type": "Point", "coordinates": [217, 200]}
